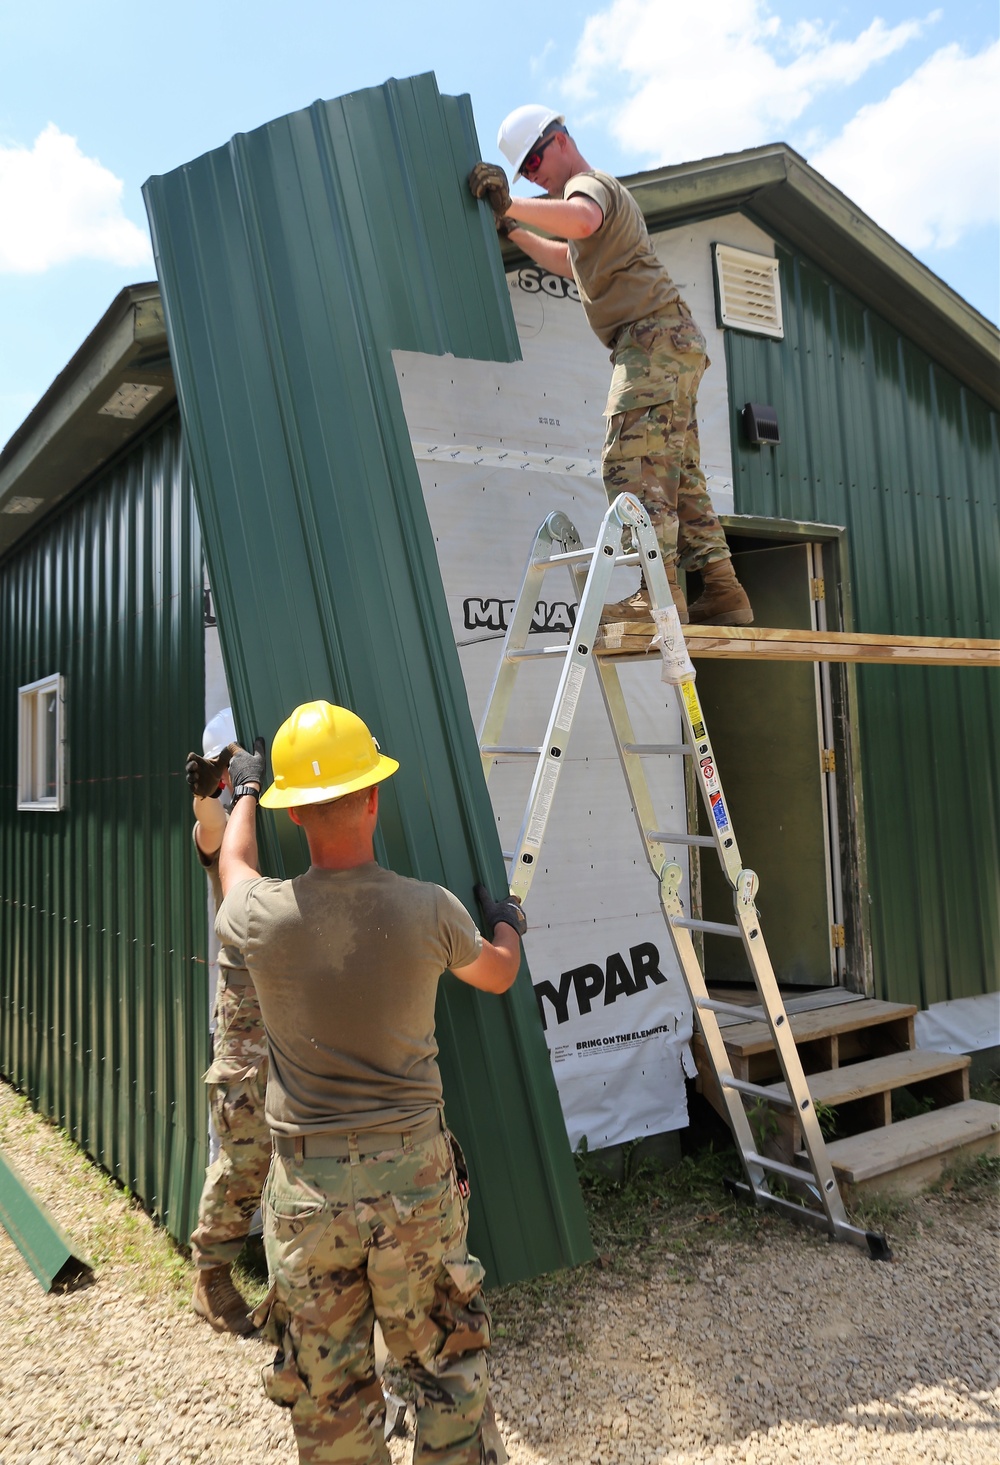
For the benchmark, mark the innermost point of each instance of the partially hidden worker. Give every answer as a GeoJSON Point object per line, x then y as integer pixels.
{"type": "Point", "coordinates": [365, 1210]}
{"type": "Point", "coordinates": [598, 237]}
{"type": "Point", "coordinates": [238, 1074]}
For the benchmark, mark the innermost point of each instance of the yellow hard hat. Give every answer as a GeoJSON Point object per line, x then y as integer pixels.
{"type": "Point", "coordinates": [321, 753]}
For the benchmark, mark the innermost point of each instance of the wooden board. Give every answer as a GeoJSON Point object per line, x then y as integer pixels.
{"type": "Point", "coordinates": [888, 1153]}
{"type": "Point", "coordinates": [755, 1037]}
{"type": "Point", "coordinates": [876, 1075]}
{"type": "Point", "coordinates": [780, 645]}
{"type": "Point", "coordinates": [768, 644]}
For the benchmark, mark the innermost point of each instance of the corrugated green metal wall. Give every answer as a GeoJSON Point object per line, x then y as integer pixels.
{"type": "Point", "coordinates": [103, 996]}
{"type": "Point", "coordinates": [291, 263]}
{"type": "Point", "coordinates": [876, 438]}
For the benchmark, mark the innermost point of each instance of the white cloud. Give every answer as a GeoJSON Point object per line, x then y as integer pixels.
{"type": "Point", "coordinates": [718, 77]}
{"type": "Point", "coordinates": [57, 205]}
{"type": "Point", "coordinates": [925, 161]}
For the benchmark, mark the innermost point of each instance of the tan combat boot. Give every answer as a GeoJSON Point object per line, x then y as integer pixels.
{"type": "Point", "coordinates": [723, 601]}
{"type": "Point", "coordinates": [637, 608]}
{"type": "Point", "coordinates": [219, 1303]}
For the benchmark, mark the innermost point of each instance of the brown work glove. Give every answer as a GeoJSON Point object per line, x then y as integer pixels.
{"type": "Point", "coordinates": [204, 775]}
{"type": "Point", "coordinates": [504, 225]}
{"type": "Point", "coordinates": [488, 182]}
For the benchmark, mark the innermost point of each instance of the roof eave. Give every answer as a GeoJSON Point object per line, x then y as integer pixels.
{"type": "Point", "coordinates": [66, 437]}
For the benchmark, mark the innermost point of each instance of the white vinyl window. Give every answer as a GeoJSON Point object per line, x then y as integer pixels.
{"type": "Point", "coordinates": [41, 708]}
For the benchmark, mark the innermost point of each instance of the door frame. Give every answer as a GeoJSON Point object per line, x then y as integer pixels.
{"type": "Point", "coordinates": [838, 599]}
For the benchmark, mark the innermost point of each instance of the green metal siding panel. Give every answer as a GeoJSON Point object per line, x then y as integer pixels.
{"type": "Point", "coordinates": [291, 263]}
{"type": "Point", "coordinates": [879, 439]}
{"type": "Point", "coordinates": [102, 972]}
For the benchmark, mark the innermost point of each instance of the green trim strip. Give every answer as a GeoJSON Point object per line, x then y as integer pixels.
{"type": "Point", "coordinates": [40, 1240]}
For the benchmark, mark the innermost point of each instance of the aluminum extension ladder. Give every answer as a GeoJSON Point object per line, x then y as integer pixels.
{"type": "Point", "coordinates": [558, 545]}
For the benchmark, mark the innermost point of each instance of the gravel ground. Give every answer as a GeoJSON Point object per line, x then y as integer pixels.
{"type": "Point", "coordinates": [707, 1344]}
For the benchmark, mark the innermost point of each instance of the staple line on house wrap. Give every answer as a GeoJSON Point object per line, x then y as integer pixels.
{"type": "Point", "coordinates": [522, 461]}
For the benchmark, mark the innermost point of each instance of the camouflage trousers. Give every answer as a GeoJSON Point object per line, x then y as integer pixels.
{"type": "Point", "coordinates": [236, 1082]}
{"type": "Point", "coordinates": [651, 449]}
{"type": "Point", "coordinates": [364, 1236]}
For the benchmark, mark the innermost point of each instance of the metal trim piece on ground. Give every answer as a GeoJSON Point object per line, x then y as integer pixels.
{"type": "Point", "coordinates": [40, 1239]}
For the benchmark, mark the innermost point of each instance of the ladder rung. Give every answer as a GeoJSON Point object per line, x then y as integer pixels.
{"type": "Point", "coordinates": [498, 751]}
{"type": "Point", "coordinates": [665, 836]}
{"type": "Point", "coordinates": [757, 1091]}
{"type": "Point", "coordinates": [580, 556]}
{"type": "Point", "coordinates": [731, 1009]}
{"type": "Point", "coordinates": [715, 928]}
{"type": "Point", "coordinates": [565, 557]}
{"type": "Point", "coordinates": [648, 750]}
{"type": "Point", "coordinates": [527, 655]}
{"type": "Point", "coordinates": [780, 1168]}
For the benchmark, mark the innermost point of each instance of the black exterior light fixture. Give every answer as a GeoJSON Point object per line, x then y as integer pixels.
{"type": "Point", "coordinates": [760, 424]}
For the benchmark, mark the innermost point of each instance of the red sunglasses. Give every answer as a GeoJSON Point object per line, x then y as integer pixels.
{"type": "Point", "coordinates": [533, 161]}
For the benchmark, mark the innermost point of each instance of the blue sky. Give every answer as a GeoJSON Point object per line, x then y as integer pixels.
{"type": "Point", "coordinates": [897, 104]}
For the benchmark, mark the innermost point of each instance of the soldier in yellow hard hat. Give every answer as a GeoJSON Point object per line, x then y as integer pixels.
{"type": "Point", "coordinates": [365, 1210]}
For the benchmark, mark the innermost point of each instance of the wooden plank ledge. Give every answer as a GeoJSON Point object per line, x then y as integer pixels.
{"type": "Point", "coordinates": [763, 643]}
{"type": "Point", "coordinates": [781, 645]}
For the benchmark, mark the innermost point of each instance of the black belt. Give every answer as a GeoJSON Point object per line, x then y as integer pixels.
{"type": "Point", "coordinates": [326, 1145]}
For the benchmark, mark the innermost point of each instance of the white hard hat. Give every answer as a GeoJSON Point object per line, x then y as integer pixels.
{"type": "Point", "coordinates": [219, 732]}
{"type": "Point", "coordinates": [521, 130]}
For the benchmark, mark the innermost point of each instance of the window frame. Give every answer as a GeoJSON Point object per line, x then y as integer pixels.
{"type": "Point", "coordinates": [32, 746]}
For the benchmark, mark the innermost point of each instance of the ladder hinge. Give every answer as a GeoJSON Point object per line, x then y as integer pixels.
{"type": "Point", "coordinates": [818, 589]}
{"type": "Point", "coordinates": [829, 761]}
{"type": "Point", "coordinates": [837, 937]}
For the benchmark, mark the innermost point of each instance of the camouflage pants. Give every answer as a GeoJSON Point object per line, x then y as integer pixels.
{"type": "Point", "coordinates": [352, 1239]}
{"type": "Point", "coordinates": [236, 1082]}
{"type": "Point", "coordinates": [652, 449]}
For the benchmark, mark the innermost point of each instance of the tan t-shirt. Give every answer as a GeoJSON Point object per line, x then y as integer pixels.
{"type": "Point", "coordinates": [221, 955]}
{"type": "Point", "coordinates": [617, 273]}
{"type": "Point", "coordinates": [346, 966]}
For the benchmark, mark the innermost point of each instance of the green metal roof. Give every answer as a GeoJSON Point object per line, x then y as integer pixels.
{"type": "Point", "coordinates": [292, 261]}
{"type": "Point", "coordinates": [786, 196]}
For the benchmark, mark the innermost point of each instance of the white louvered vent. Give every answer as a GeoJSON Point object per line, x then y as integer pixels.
{"type": "Point", "coordinates": [749, 291]}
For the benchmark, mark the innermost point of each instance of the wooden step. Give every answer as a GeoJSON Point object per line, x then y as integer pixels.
{"type": "Point", "coordinates": [906, 1157]}
{"type": "Point", "coordinates": [826, 1038]}
{"type": "Point", "coordinates": [749, 1038]}
{"type": "Point", "coordinates": [876, 1076]}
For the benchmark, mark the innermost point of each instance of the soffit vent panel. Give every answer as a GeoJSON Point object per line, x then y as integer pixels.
{"type": "Point", "coordinates": [749, 291]}
{"type": "Point", "coordinates": [129, 400]}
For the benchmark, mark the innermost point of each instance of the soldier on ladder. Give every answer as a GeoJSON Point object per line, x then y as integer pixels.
{"type": "Point", "coordinates": [651, 448]}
